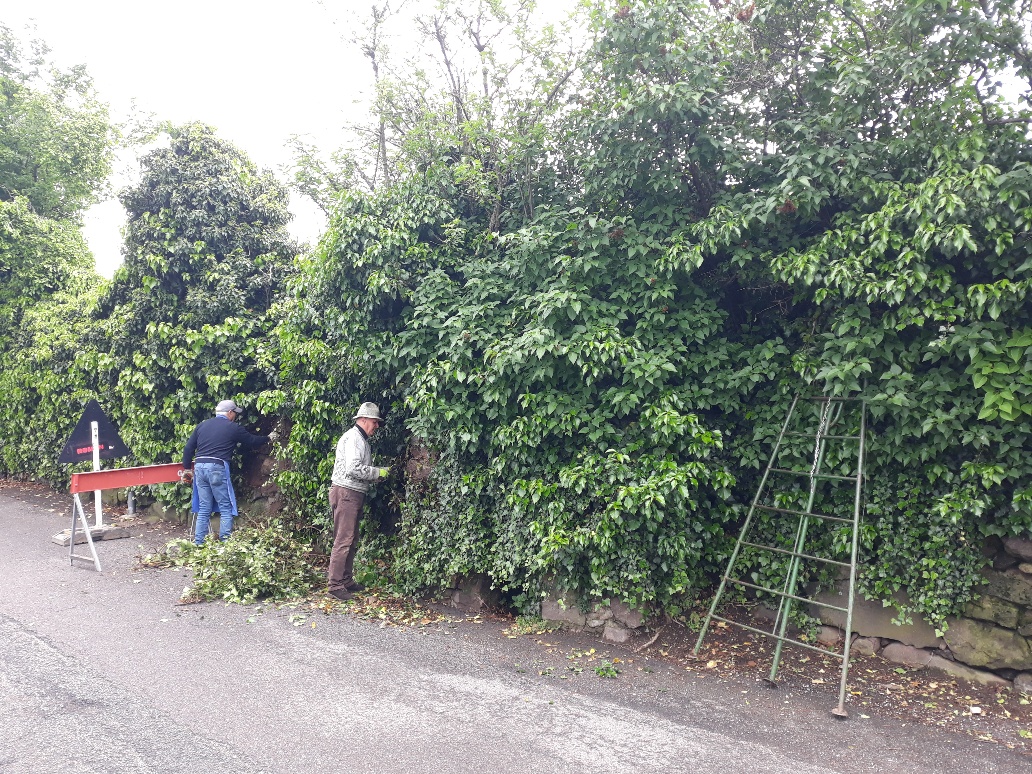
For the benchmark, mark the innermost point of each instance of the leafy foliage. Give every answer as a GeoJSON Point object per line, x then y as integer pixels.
{"type": "Point", "coordinates": [255, 562]}
{"type": "Point", "coordinates": [187, 316]}
{"type": "Point", "coordinates": [885, 194]}
{"type": "Point", "coordinates": [45, 384]}
{"type": "Point", "coordinates": [56, 141]}
{"type": "Point", "coordinates": [55, 151]}
{"type": "Point", "coordinates": [588, 284]}
{"type": "Point", "coordinates": [184, 324]}
{"type": "Point", "coordinates": [38, 257]}
{"type": "Point", "coordinates": [737, 205]}
{"type": "Point", "coordinates": [531, 384]}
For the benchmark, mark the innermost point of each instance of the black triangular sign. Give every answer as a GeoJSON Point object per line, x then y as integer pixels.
{"type": "Point", "coordinates": [79, 445]}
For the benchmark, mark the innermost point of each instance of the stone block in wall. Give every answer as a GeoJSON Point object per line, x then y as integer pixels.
{"type": "Point", "coordinates": [562, 610]}
{"type": "Point", "coordinates": [865, 646]}
{"type": "Point", "coordinates": [908, 655]}
{"type": "Point", "coordinates": [898, 653]}
{"type": "Point", "coordinates": [616, 633]}
{"type": "Point", "coordinates": [982, 644]}
{"type": "Point", "coordinates": [999, 611]}
{"type": "Point", "coordinates": [1011, 585]}
{"type": "Point", "coordinates": [1023, 683]}
{"type": "Point", "coordinates": [764, 614]}
{"type": "Point", "coordinates": [991, 546]}
{"type": "Point", "coordinates": [1019, 547]}
{"type": "Point", "coordinates": [156, 512]}
{"type": "Point", "coordinates": [830, 636]}
{"type": "Point", "coordinates": [566, 610]}
{"type": "Point", "coordinates": [964, 672]}
{"type": "Point", "coordinates": [474, 593]}
{"type": "Point", "coordinates": [419, 463]}
{"type": "Point", "coordinates": [598, 617]}
{"type": "Point", "coordinates": [1004, 561]}
{"type": "Point", "coordinates": [1025, 623]}
{"type": "Point", "coordinates": [110, 498]}
{"type": "Point", "coordinates": [632, 619]}
{"type": "Point", "coordinates": [262, 478]}
{"type": "Point", "coordinates": [249, 512]}
{"type": "Point", "coordinates": [873, 619]}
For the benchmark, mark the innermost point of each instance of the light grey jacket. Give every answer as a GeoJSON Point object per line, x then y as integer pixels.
{"type": "Point", "coordinates": [353, 463]}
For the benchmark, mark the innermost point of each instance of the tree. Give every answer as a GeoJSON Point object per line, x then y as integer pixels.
{"type": "Point", "coordinates": [743, 203]}
{"type": "Point", "coordinates": [56, 140]}
{"type": "Point", "coordinates": [427, 184]}
{"type": "Point", "coordinates": [186, 317]}
{"type": "Point", "coordinates": [55, 154]}
{"type": "Point", "coordinates": [874, 189]}
{"type": "Point", "coordinates": [46, 378]}
{"type": "Point", "coordinates": [38, 257]}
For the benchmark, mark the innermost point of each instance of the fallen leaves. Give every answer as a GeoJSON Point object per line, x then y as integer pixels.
{"type": "Point", "coordinates": [524, 625]}
{"type": "Point", "coordinates": [920, 694]}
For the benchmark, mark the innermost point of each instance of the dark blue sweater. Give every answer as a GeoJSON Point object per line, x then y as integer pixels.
{"type": "Point", "coordinates": [217, 438]}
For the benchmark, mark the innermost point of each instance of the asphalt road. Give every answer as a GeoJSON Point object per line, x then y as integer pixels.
{"type": "Point", "coordinates": [103, 672]}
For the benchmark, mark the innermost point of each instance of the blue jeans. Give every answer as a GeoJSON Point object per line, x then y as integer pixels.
{"type": "Point", "coordinates": [212, 490]}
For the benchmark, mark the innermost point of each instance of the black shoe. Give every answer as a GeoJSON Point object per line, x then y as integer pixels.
{"type": "Point", "coordinates": [342, 594]}
{"type": "Point", "coordinates": [355, 587]}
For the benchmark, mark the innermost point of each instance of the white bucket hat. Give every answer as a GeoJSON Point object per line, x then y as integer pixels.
{"type": "Point", "coordinates": [368, 411]}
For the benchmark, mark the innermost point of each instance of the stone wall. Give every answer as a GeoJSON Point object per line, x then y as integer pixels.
{"type": "Point", "coordinates": [990, 643]}
{"type": "Point", "coordinates": [258, 497]}
{"type": "Point", "coordinates": [611, 620]}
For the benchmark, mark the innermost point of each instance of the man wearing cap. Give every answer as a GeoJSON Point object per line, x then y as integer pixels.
{"type": "Point", "coordinates": [353, 471]}
{"type": "Point", "coordinates": [207, 456]}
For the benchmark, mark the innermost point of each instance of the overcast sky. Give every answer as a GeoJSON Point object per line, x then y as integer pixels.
{"type": "Point", "coordinates": [257, 71]}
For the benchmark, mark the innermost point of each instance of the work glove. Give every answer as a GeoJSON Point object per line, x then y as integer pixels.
{"type": "Point", "coordinates": [187, 477]}
{"type": "Point", "coordinates": [273, 436]}
{"type": "Point", "coordinates": [384, 472]}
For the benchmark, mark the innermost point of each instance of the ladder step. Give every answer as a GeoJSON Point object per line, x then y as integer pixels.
{"type": "Point", "coordinates": [84, 558]}
{"type": "Point", "coordinates": [830, 437]}
{"type": "Point", "coordinates": [795, 553]}
{"type": "Point", "coordinates": [804, 513]}
{"type": "Point", "coordinates": [784, 594]}
{"type": "Point", "coordinates": [808, 474]}
{"type": "Point", "coordinates": [790, 641]}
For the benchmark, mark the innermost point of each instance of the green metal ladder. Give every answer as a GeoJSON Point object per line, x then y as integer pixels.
{"type": "Point", "coordinates": [829, 413]}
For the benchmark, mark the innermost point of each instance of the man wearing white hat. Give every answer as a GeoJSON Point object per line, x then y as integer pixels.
{"type": "Point", "coordinates": [353, 472]}
{"type": "Point", "coordinates": [206, 458]}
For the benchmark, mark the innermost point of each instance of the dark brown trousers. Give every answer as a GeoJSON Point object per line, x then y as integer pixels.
{"type": "Point", "coordinates": [346, 505]}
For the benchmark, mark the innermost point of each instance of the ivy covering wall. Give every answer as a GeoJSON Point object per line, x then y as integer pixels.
{"type": "Point", "coordinates": [586, 283]}
{"type": "Point", "coordinates": [731, 204]}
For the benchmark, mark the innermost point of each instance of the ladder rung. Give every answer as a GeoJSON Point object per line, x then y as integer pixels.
{"type": "Point", "coordinates": [785, 594]}
{"type": "Point", "coordinates": [832, 437]}
{"type": "Point", "coordinates": [804, 513]}
{"type": "Point", "coordinates": [773, 636]}
{"type": "Point", "coordinates": [84, 558]}
{"type": "Point", "coordinates": [795, 553]}
{"type": "Point", "coordinates": [808, 474]}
